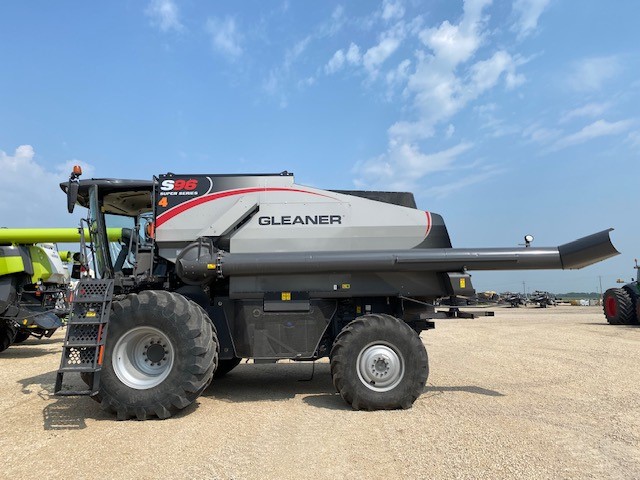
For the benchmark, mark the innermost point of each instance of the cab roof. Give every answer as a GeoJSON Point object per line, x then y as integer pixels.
{"type": "Point", "coordinates": [119, 196]}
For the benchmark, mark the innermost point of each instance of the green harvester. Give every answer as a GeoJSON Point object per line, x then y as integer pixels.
{"type": "Point", "coordinates": [34, 281]}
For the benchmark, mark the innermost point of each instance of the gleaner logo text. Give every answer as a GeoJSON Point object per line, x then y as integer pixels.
{"type": "Point", "coordinates": [301, 220]}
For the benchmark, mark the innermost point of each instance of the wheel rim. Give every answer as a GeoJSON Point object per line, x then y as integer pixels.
{"type": "Point", "coordinates": [610, 306]}
{"type": "Point", "coordinates": [143, 357]}
{"type": "Point", "coordinates": [380, 367]}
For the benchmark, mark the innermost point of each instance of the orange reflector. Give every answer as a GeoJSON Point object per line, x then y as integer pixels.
{"type": "Point", "coordinates": [150, 230]}
{"type": "Point", "coordinates": [100, 355]}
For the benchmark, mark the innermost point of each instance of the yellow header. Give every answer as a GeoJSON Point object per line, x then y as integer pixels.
{"type": "Point", "coordinates": [29, 236]}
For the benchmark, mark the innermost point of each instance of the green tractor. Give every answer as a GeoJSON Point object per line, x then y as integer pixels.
{"type": "Point", "coordinates": [34, 282]}
{"type": "Point", "coordinates": [622, 305]}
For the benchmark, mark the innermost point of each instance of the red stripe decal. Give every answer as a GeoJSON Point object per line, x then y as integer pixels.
{"type": "Point", "coordinates": [428, 224]}
{"type": "Point", "coordinates": [183, 207]}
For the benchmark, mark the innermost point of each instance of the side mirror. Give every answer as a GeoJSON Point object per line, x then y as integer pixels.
{"type": "Point", "coordinates": [72, 189]}
{"type": "Point", "coordinates": [72, 195]}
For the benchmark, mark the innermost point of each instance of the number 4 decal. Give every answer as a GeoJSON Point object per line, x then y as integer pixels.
{"type": "Point", "coordinates": [163, 202]}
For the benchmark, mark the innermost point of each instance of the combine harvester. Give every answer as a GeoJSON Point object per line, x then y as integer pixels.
{"type": "Point", "coordinates": [223, 267]}
{"type": "Point", "coordinates": [34, 281]}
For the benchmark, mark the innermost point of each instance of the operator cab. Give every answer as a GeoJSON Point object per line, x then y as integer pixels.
{"type": "Point", "coordinates": [120, 223]}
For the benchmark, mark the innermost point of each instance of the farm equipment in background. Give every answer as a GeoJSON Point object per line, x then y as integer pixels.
{"type": "Point", "coordinates": [488, 297]}
{"type": "Point", "coordinates": [34, 282]}
{"type": "Point", "coordinates": [514, 299]}
{"type": "Point", "coordinates": [622, 305]}
{"type": "Point", "coordinates": [215, 268]}
{"type": "Point", "coordinates": [543, 299]}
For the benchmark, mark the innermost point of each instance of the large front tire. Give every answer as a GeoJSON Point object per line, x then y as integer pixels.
{"type": "Point", "coordinates": [160, 355]}
{"type": "Point", "coordinates": [618, 307]}
{"type": "Point", "coordinates": [7, 334]}
{"type": "Point", "coordinates": [379, 363]}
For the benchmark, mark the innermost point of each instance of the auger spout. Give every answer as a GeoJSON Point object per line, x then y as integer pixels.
{"type": "Point", "coordinates": [201, 261]}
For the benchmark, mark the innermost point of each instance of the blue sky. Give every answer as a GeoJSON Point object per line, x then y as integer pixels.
{"type": "Point", "coordinates": [505, 117]}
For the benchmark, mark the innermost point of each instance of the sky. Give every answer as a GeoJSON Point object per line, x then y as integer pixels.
{"type": "Point", "coordinates": [507, 117]}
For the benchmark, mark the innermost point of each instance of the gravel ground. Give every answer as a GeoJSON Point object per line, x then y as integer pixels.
{"type": "Point", "coordinates": [530, 393]}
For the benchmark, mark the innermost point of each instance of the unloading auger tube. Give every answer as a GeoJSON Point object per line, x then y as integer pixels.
{"type": "Point", "coordinates": [201, 261]}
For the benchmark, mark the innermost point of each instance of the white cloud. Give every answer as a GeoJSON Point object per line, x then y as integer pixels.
{"type": "Point", "coordinates": [293, 53]}
{"type": "Point", "coordinates": [403, 165]}
{"type": "Point", "coordinates": [589, 110]}
{"type": "Point", "coordinates": [225, 38]}
{"type": "Point", "coordinates": [403, 131]}
{"type": "Point", "coordinates": [485, 73]}
{"type": "Point", "coordinates": [376, 55]}
{"type": "Point", "coordinates": [340, 58]}
{"type": "Point", "coordinates": [353, 54]}
{"type": "Point", "coordinates": [164, 14]}
{"type": "Point", "coordinates": [455, 44]}
{"type": "Point", "coordinates": [439, 93]}
{"type": "Point", "coordinates": [441, 85]}
{"type": "Point", "coordinates": [445, 79]}
{"type": "Point", "coordinates": [540, 134]}
{"type": "Point", "coordinates": [335, 24]}
{"type": "Point", "coordinates": [335, 63]}
{"type": "Point", "coordinates": [446, 189]}
{"type": "Point", "coordinates": [273, 86]}
{"type": "Point", "coordinates": [31, 195]}
{"type": "Point", "coordinates": [514, 80]}
{"type": "Point", "coordinates": [600, 128]}
{"type": "Point", "coordinates": [398, 76]}
{"type": "Point", "coordinates": [392, 10]}
{"type": "Point", "coordinates": [527, 13]}
{"type": "Point", "coordinates": [591, 73]}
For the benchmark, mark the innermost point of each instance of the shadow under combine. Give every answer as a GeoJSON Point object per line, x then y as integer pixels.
{"type": "Point", "coordinates": [64, 413]}
{"type": "Point", "coordinates": [271, 382]}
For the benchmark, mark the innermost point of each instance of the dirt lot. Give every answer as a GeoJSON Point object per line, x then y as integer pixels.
{"type": "Point", "coordinates": [531, 393]}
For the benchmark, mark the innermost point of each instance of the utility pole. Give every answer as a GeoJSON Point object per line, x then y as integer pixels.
{"type": "Point", "coordinates": [600, 280]}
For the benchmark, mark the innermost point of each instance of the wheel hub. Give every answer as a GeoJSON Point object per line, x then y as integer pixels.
{"type": "Point", "coordinates": [380, 367]}
{"type": "Point", "coordinates": [143, 357]}
{"type": "Point", "coordinates": [155, 353]}
{"type": "Point", "coordinates": [610, 306]}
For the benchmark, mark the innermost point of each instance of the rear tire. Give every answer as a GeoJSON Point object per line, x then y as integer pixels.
{"type": "Point", "coordinates": [7, 334]}
{"type": "Point", "coordinates": [379, 363]}
{"type": "Point", "coordinates": [160, 355]}
{"type": "Point", "coordinates": [618, 307]}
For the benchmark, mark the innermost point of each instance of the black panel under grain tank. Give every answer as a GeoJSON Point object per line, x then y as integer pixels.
{"type": "Point", "coordinates": [272, 334]}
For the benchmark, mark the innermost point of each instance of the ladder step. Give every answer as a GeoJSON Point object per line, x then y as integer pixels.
{"type": "Point", "coordinates": [89, 299]}
{"type": "Point", "coordinates": [80, 344]}
{"type": "Point", "coordinates": [86, 334]}
{"type": "Point", "coordinates": [79, 369]}
{"type": "Point", "coordinates": [84, 322]}
{"type": "Point", "coordinates": [75, 393]}
{"type": "Point", "coordinates": [73, 390]}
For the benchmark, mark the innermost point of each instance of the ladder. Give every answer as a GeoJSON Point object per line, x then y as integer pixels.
{"type": "Point", "coordinates": [83, 348]}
